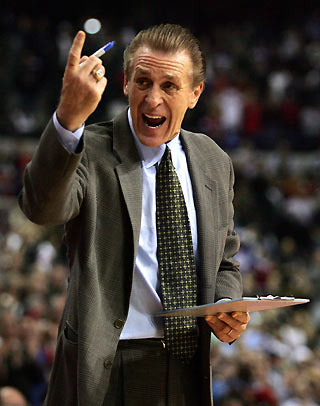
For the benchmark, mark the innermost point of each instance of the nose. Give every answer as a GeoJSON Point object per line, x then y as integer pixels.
{"type": "Point", "coordinates": [153, 97]}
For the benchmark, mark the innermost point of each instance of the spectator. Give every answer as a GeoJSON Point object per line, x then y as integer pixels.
{"type": "Point", "coordinates": [11, 397]}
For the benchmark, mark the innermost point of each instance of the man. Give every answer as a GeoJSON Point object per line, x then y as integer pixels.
{"type": "Point", "coordinates": [103, 184]}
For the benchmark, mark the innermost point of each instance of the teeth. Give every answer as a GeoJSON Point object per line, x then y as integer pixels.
{"type": "Point", "coordinates": [153, 121]}
{"type": "Point", "coordinates": [153, 117]}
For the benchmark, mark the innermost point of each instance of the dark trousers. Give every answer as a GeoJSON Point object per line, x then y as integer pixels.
{"type": "Point", "coordinates": [144, 374]}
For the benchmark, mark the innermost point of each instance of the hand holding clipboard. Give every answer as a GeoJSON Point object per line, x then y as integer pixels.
{"type": "Point", "coordinates": [245, 304]}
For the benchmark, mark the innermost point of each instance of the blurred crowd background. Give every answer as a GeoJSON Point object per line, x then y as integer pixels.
{"type": "Point", "coordinates": [261, 104]}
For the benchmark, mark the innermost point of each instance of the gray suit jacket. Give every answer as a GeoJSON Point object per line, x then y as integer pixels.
{"type": "Point", "coordinates": [97, 194]}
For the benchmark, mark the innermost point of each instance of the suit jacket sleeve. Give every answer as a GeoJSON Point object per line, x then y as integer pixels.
{"type": "Point", "coordinates": [229, 282]}
{"type": "Point", "coordinates": [54, 181]}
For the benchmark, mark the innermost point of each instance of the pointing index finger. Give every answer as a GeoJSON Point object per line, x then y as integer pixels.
{"type": "Point", "coordinates": [75, 51]}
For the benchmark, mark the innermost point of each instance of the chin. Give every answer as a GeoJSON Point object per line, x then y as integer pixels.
{"type": "Point", "coordinates": [151, 141]}
{"type": "Point", "coordinates": [152, 138]}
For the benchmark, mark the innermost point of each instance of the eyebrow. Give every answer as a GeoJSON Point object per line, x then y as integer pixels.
{"type": "Point", "coordinates": [168, 76]}
{"type": "Point", "coordinates": [141, 71]}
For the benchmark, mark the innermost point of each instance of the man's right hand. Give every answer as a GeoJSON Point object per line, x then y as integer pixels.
{"type": "Point", "coordinates": [81, 92]}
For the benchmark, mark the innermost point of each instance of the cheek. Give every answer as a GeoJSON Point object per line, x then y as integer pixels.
{"type": "Point", "coordinates": [178, 111]}
{"type": "Point", "coordinates": [136, 100]}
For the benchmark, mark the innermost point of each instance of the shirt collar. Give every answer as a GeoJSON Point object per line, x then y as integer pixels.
{"type": "Point", "coordinates": [151, 155]}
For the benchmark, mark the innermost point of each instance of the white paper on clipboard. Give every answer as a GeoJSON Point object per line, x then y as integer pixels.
{"type": "Point", "coordinates": [245, 304]}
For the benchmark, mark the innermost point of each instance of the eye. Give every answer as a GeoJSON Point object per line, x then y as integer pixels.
{"type": "Point", "coordinates": [142, 82]}
{"type": "Point", "coordinates": [170, 87]}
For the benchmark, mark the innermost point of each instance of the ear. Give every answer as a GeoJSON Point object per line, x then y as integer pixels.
{"type": "Point", "coordinates": [125, 85]}
{"type": "Point", "coordinates": [196, 93]}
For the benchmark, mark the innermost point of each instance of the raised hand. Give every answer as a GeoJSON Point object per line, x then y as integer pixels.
{"type": "Point", "coordinates": [81, 89]}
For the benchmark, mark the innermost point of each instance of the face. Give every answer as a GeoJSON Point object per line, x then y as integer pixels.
{"type": "Point", "coordinates": [160, 91]}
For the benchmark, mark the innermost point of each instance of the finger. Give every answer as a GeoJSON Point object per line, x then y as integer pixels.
{"type": "Point", "coordinates": [101, 68]}
{"type": "Point", "coordinates": [97, 74]}
{"type": "Point", "coordinates": [218, 326]}
{"type": "Point", "coordinates": [75, 51]}
{"type": "Point", "coordinates": [91, 63]}
{"type": "Point", "coordinates": [212, 319]}
{"type": "Point", "coordinates": [222, 330]}
{"type": "Point", "coordinates": [83, 59]}
{"type": "Point", "coordinates": [228, 319]}
{"type": "Point", "coordinates": [102, 84]}
{"type": "Point", "coordinates": [243, 317]}
{"type": "Point", "coordinates": [231, 335]}
{"type": "Point", "coordinates": [232, 322]}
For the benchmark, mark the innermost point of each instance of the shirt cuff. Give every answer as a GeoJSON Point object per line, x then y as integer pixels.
{"type": "Point", "coordinates": [69, 139]}
{"type": "Point", "coordinates": [226, 299]}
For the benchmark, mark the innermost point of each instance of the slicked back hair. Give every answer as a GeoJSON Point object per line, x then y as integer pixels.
{"type": "Point", "coordinates": [168, 38]}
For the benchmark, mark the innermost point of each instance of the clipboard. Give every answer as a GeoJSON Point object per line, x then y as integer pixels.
{"type": "Point", "coordinates": [245, 304]}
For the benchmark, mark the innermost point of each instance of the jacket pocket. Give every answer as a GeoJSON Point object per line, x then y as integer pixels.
{"type": "Point", "coordinates": [70, 334]}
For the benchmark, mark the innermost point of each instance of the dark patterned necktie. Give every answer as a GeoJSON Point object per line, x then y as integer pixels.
{"type": "Point", "coordinates": [177, 270]}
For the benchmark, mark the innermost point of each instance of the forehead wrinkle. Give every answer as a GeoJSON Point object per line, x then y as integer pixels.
{"type": "Point", "coordinates": [154, 62]}
{"type": "Point", "coordinates": [166, 75]}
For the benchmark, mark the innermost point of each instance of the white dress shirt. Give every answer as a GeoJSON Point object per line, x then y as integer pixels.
{"type": "Point", "coordinates": [144, 299]}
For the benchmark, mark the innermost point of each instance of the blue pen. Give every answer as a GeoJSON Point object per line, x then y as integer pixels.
{"type": "Point", "coordinates": [104, 49]}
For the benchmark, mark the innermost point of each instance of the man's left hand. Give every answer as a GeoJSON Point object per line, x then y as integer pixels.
{"type": "Point", "coordinates": [227, 327]}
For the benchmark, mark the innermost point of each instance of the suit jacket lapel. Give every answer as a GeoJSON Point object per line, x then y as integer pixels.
{"type": "Point", "coordinates": [129, 172]}
{"type": "Point", "coordinates": [205, 196]}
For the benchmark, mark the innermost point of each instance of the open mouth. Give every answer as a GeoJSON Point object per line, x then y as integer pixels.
{"type": "Point", "coordinates": [153, 121]}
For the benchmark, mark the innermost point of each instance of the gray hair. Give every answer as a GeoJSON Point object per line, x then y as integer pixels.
{"type": "Point", "coordinates": [169, 38]}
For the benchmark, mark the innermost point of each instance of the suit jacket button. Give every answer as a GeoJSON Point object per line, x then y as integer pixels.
{"type": "Point", "coordinates": [107, 364]}
{"type": "Point", "coordinates": [118, 323]}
